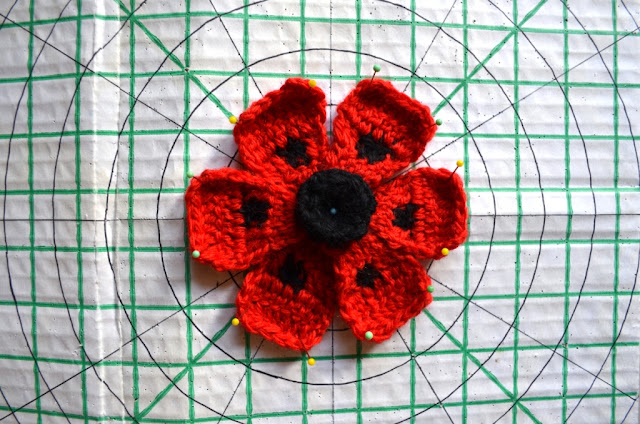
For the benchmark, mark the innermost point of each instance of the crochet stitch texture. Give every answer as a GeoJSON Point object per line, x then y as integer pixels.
{"type": "Point", "coordinates": [325, 226]}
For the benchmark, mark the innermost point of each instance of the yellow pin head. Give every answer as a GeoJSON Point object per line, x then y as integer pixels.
{"type": "Point", "coordinates": [233, 119]}
{"type": "Point", "coordinates": [445, 251]}
{"type": "Point", "coordinates": [235, 321]}
{"type": "Point", "coordinates": [459, 163]}
{"type": "Point", "coordinates": [312, 83]}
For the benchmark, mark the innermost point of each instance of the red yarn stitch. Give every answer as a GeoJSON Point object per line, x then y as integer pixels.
{"type": "Point", "coordinates": [399, 293]}
{"type": "Point", "coordinates": [237, 219]}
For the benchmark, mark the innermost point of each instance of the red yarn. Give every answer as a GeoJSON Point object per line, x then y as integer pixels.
{"type": "Point", "coordinates": [238, 219]}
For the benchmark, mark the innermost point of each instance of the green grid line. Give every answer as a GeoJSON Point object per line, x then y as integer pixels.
{"type": "Point", "coordinates": [616, 175]}
{"type": "Point", "coordinates": [245, 102]}
{"type": "Point", "coordinates": [123, 190]}
{"type": "Point", "coordinates": [323, 77]}
{"type": "Point", "coordinates": [186, 144]}
{"type": "Point", "coordinates": [477, 297]}
{"type": "Point", "coordinates": [304, 367]}
{"type": "Point", "coordinates": [518, 265]}
{"type": "Point", "coordinates": [296, 359]}
{"type": "Point", "coordinates": [467, 251]}
{"type": "Point", "coordinates": [285, 18]}
{"type": "Point", "coordinates": [412, 322]}
{"type": "Point", "coordinates": [358, 65]}
{"type": "Point", "coordinates": [78, 201]}
{"type": "Point", "coordinates": [567, 266]}
{"type": "Point", "coordinates": [115, 133]}
{"type": "Point", "coordinates": [316, 412]}
{"type": "Point", "coordinates": [131, 234]}
{"type": "Point", "coordinates": [32, 234]}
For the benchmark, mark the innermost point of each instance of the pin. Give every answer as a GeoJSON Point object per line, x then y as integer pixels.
{"type": "Point", "coordinates": [235, 321]}
{"type": "Point", "coordinates": [458, 165]}
{"type": "Point", "coordinates": [368, 335]}
{"type": "Point", "coordinates": [233, 119]}
{"type": "Point", "coordinates": [431, 289]}
{"type": "Point", "coordinates": [311, 361]}
{"type": "Point", "coordinates": [333, 211]}
{"type": "Point", "coordinates": [438, 122]}
{"type": "Point", "coordinates": [195, 254]}
{"type": "Point", "coordinates": [445, 251]}
{"type": "Point", "coordinates": [376, 69]}
{"type": "Point", "coordinates": [189, 174]}
{"type": "Point", "coordinates": [312, 83]}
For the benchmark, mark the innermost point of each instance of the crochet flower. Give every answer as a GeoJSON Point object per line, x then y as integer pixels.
{"type": "Point", "coordinates": [325, 226]}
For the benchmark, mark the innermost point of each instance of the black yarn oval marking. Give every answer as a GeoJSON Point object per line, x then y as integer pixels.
{"type": "Point", "coordinates": [405, 216]}
{"type": "Point", "coordinates": [367, 276]}
{"type": "Point", "coordinates": [335, 207]}
{"type": "Point", "coordinates": [255, 212]}
{"type": "Point", "coordinates": [294, 153]}
{"type": "Point", "coordinates": [371, 149]}
{"type": "Point", "coordinates": [292, 273]}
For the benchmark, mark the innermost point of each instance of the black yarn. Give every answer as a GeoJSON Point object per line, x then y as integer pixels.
{"type": "Point", "coordinates": [371, 149]}
{"type": "Point", "coordinates": [404, 216]}
{"type": "Point", "coordinates": [367, 276]}
{"type": "Point", "coordinates": [254, 212]}
{"type": "Point", "coordinates": [338, 191]}
{"type": "Point", "coordinates": [295, 153]}
{"type": "Point", "coordinates": [292, 273]}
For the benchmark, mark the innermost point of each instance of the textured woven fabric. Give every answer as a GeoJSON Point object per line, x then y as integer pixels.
{"type": "Point", "coordinates": [325, 226]}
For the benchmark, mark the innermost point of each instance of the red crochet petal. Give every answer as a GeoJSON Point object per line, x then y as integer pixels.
{"type": "Point", "coordinates": [422, 212]}
{"type": "Point", "coordinates": [377, 291]}
{"type": "Point", "coordinates": [288, 298]}
{"type": "Point", "coordinates": [379, 131]}
{"type": "Point", "coordinates": [234, 218]}
{"type": "Point", "coordinates": [282, 135]}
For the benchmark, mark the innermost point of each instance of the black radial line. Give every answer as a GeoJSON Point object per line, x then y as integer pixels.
{"type": "Point", "coordinates": [233, 158]}
{"type": "Point", "coordinates": [233, 278]}
{"type": "Point", "coordinates": [524, 333]}
{"type": "Point", "coordinates": [122, 90]}
{"type": "Point", "coordinates": [413, 358]}
{"type": "Point", "coordinates": [233, 394]}
{"type": "Point", "coordinates": [4, 212]}
{"type": "Point", "coordinates": [430, 44]}
{"type": "Point", "coordinates": [12, 412]}
{"type": "Point", "coordinates": [137, 337]}
{"type": "Point", "coordinates": [235, 47]}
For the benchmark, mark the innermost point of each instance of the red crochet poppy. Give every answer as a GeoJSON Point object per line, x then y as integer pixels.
{"type": "Point", "coordinates": [324, 225]}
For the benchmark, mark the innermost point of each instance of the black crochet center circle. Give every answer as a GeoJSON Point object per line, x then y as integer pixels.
{"type": "Point", "coordinates": [335, 207]}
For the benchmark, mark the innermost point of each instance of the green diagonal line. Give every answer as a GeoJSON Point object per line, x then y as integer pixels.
{"type": "Point", "coordinates": [184, 372]}
{"type": "Point", "coordinates": [476, 361]}
{"type": "Point", "coordinates": [493, 51]}
{"type": "Point", "coordinates": [174, 59]}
